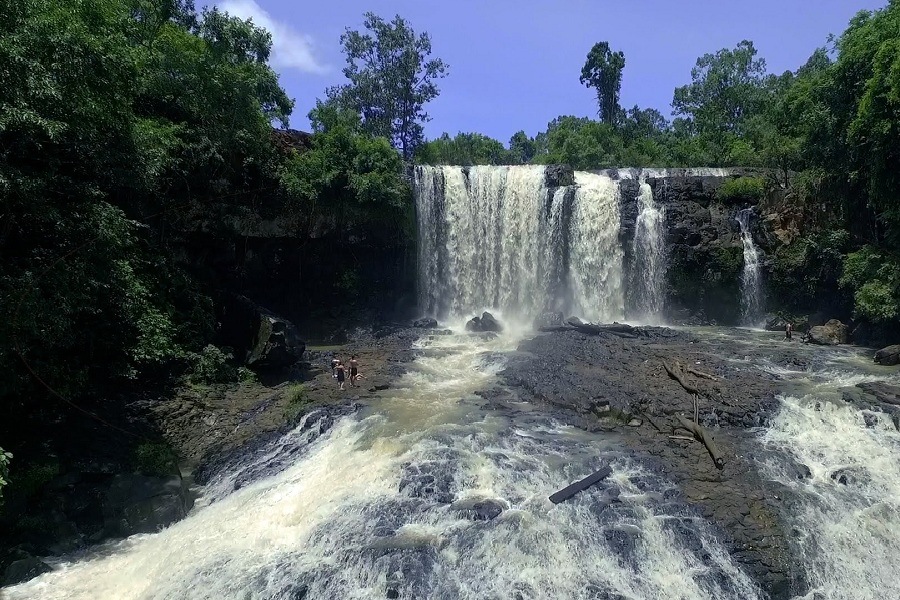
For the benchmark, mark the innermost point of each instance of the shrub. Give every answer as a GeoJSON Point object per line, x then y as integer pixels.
{"type": "Point", "coordinates": [246, 375]}
{"type": "Point", "coordinates": [155, 458]}
{"type": "Point", "coordinates": [874, 278]}
{"type": "Point", "coordinates": [211, 365]}
{"type": "Point", "coordinates": [33, 477]}
{"type": "Point", "coordinates": [298, 400]}
{"type": "Point", "coordinates": [742, 189]}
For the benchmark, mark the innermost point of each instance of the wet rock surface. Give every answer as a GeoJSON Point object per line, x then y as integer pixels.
{"type": "Point", "coordinates": [831, 333]}
{"type": "Point", "coordinates": [614, 384]}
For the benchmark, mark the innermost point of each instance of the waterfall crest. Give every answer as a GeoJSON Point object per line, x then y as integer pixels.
{"type": "Point", "coordinates": [751, 276]}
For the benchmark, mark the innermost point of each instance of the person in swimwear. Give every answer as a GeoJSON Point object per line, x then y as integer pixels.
{"type": "Point", "coordinates": [340, 375]}
{"type": "Point", "coordinates": [354, 370]}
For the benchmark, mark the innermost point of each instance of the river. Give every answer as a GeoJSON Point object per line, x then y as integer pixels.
{"type": "Point", "coordinates": [433, 493]}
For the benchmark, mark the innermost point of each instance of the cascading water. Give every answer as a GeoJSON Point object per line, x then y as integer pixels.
{"type": "Point", "coordinates": [846, 501]}
{"type": "Point", "coordinates": [595, 266]}
{"type": "Point", "coordinates": [751, 276]}
{"type": "Point", "coordinates": [648, 257]}
{"type": "Point", "coordinates": [427, 496]}
{"type": "Point", "coordinates": [496, 238]}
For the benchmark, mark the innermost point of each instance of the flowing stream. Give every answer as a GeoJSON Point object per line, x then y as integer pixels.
{"type": "Point", "coordinates": [751, 276]}
{"type": "Point", "coordinates": [396, 502]}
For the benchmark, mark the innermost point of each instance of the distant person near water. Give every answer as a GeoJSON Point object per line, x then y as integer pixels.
{"type": "Point", "coordinates": [334, 363]}
{"type": "Point", "coordinates": [788, 331]}
{"type": "Point", "coordinates": [340, 375]}
{"type": "Point", "coordinates": [354, 370]}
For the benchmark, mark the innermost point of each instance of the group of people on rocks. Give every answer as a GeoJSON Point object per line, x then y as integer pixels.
{"type": "Point", "coordinates": [339, 371]}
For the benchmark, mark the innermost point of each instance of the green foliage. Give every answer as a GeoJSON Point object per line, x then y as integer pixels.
{"type": "Point", "coordinates": [391, 79]}
{"type": "Point", "coordinates": [347, 176]}
{"type": "Point", "coordinates": [5, 458]}
{"type": "Point", "coordinates": [874, 278]}
{"type": "Point", "coordinates": [298, 401]}
{"type": "Point", "coordinates": [465, 149]}
{"type": "Point", "coordinates": [728, 88]}
{"type": "Point", "coordinates": [34, 476]}
{"type": "Point", "coordinates": [579, 142]}
{"type": "Point", "coordinates": [742, 189]}
{"type": "Point", "coordinates": [246, 375]}
{"type": "Point", "coordinates": [155, 459]}
{"type": "Point", "coordinates": [603, 71]}
{"type": "Point", "coordinates": [211, 365]}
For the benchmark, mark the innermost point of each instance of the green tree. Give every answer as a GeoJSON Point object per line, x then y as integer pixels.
{"type": "Point", "coordinates": [727, 89]}
{"type": "Point", "coordinates": [464, 149]}
{"type": "Point", "coordinates": [391, 79]}
{"type": "Point", "coordinates": [603, 71]}
{"type": "Point", "coordinates": [579, 142]}
{"type": "Point", "coordinates": [522, 149]}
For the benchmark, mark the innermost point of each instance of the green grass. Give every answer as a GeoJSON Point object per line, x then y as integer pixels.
{"type": "Point", "coordinates": [298, 401]}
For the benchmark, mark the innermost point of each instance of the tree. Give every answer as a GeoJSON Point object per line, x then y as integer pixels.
{"type": "Point", "coordinates": [391, 79]}
{"type": "Point", "coordinates": [603, 71]}
{"type": "Point", "coordinates": [522, 148]}
{"type": "Point", "coordinates": [464, 149]}
{"type": "Point", "coordinates": [580, 143]}
{"type": "Point", "coordinates": [728, 88]}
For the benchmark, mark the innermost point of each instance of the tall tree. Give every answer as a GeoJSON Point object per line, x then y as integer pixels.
{"type": "Point", "coordinates": [522, 148]}
{"type": "Point", "coordinates": [391, 79]}
{"type": "Point", "coordinates": [728, 88]}
{"type": "Point", "coordinates": [603, 71]}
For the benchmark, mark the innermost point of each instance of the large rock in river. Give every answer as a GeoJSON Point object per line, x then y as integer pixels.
{"type": "Point", "coordinates": [831, 333]}
{"type": "Point", "coordinates": [486, 322]}
{"type": "Point", "coordinates": [775, 323]}
{"type": "Point", "coordinates": [888, 356]}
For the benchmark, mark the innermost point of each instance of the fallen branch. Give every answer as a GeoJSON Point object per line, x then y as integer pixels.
{"type": "Point", "coordinates": [701, 435]}
{"type": "Point", "coordinates": [694, 371]}
{"type": "Point", "coordinates": [579, 486]}
{"type": "Point", "coordinates": [682, 437]}
{"type": "Point", "coordinates": [677, 373]}
{"type": "Point", "coordinates": [652, 422]}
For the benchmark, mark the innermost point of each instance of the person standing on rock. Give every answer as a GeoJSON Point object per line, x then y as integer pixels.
{"type": "Point", "coordinates": [788, 331]}
{"type": "Point", "coordinates": [334, 363]}
{"type": "Point", "coordinates": [340, 375]}
{"type": "Point", "coordinates": [354, 370]}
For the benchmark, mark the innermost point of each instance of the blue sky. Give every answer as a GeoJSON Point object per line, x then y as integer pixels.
{"type": "Point", "coordinates": [515, 64]}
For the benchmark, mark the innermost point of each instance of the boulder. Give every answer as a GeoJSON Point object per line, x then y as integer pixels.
{"type": "Point", "coordinates": [775, 323]}
{"type": "Point", "coordinates": [549, 319]}
{"type": "Point", "coordinates": [485, 323]}
{"type": "Point", "coordinates": [425, 323]}
{"type": "Point", "coordinates": [888, 356]}
{"type": "Point", "coordinates": [23, 567]}
{"type": "Point", "coordinates": [265, 340]}
{"type": "Point", "coordinates": [143, 504]}
{"type": "Point", "coordinates": [831, 333]}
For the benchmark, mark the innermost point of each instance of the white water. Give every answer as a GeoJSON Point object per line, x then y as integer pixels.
{"type": "Point", "coordinates": [365, 510]}
{"type": "Point", "coordinates": [649, 258]}
{"type": "Point", "coordinates": [493, 238]}
{"type": "Point", "coordinates": [751, 275]}
{"type": "Point", "coordinates": [596, 255]}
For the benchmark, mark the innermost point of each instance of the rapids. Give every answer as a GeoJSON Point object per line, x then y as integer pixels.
{"type": "Point", "coordinates": [395, 501]}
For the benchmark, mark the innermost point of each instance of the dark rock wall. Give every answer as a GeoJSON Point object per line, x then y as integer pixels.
{"type": "Point", "coordinates": [703, 240]}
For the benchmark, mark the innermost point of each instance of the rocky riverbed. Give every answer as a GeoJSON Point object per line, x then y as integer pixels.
{"type": "Point", "coordinates": [619, 385]}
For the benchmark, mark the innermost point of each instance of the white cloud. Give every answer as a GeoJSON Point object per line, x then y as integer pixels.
{"type": "Point", "coordinates": [290, 48]}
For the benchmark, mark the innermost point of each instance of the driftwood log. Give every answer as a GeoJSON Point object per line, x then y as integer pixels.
{"type": "Point", "coordinates": [701, 435]}
{"type": "Point", "coordinates": [693, 371]}
{"type": "Point", "coordinates": [676, 372]}
{"type": "Point", "coordinates": [579, 486]}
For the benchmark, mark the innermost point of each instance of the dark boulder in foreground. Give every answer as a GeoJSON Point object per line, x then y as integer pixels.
{"type": "Point", "coordinates": [486, 322]}
{"type": "Point", "coordinates": [425, 323]}
{"type": "Point", "coordinates": [22, 566]}
{"type": "Point", "coordinates": [831, 333]}
{"type": "Point", "coordinates": [888, 356]}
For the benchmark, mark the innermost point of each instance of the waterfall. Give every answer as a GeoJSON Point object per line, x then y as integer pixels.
{"type": "Point", "coordinates": [751, 277]}
{"type": "Point", "coordinates": [497, 238]}
{"type": "Point", "coordinates": [649, 257]}
{"type": "Point", "coordinates": [596, 255]}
